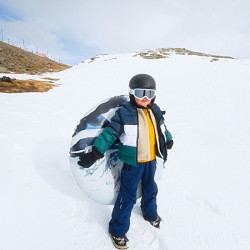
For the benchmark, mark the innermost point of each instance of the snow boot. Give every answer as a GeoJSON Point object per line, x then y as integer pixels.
{"type": "Point", "coordinates": [120, 243]}
{"type": "Point", "coordinates": [154, 223]}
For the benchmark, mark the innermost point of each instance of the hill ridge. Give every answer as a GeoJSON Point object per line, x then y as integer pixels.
{"type": "Point", "coordinates": [165, 52]}
{"type": "Point", "coordinates": [17, 60]}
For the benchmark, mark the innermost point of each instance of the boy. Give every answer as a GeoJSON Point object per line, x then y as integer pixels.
{"type": "Point", "coordinates": [139, 125]}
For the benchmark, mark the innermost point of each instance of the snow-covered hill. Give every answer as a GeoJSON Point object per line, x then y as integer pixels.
{"type": "Point", "coordinates": [203, 193]}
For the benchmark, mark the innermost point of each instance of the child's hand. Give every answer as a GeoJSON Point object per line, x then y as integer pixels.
{"type": "Point", "coordinates": [87, 160]}
{"type": "Point", "coordinates": [170, 144]}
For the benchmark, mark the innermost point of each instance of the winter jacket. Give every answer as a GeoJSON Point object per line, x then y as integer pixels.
{"type": "Point", "coordinates": [124, 126]}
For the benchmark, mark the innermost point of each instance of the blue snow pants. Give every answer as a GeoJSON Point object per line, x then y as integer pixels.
{"type": "Point", "coordinates": [130, 178]}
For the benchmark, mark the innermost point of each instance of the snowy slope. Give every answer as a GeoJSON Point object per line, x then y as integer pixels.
{"type": "Point", "coordinates": [203, 193]}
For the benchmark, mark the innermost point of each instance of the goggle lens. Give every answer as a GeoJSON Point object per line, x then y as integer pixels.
{"type": "Point", "coordinates": [142, 93]}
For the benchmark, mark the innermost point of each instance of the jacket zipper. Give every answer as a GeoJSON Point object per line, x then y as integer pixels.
{"type": "Point", "coordinates": [137, 137]}
{"type": "Point", "coordinates": [160, 134]}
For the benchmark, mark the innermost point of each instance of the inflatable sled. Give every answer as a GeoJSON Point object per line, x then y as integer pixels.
{"type": "Point", "coordinates": [100, 182]}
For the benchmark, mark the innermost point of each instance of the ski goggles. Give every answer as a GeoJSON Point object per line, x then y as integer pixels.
{"type": "Point", "coordinates": [142, 93]}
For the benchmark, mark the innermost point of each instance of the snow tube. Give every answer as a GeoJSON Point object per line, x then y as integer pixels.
{"type": "Point", "coordinates": [100, 182]}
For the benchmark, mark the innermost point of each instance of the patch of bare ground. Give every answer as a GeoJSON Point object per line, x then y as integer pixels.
{"type": "Point", "coordinates": [16, 60]}
{"type": "Point", "coordinates": [22, 86]}
{"type": "Point", "coordinates": [166, 52]}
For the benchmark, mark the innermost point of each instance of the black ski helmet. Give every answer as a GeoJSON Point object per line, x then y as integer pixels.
{"type": "Point", "coordinates": [142, 81]}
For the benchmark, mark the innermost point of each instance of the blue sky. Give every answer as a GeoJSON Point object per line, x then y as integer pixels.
{"type": "Point", "coordinates": [8, 14]}
{"type": "Point", "coordinates": [74, 30]}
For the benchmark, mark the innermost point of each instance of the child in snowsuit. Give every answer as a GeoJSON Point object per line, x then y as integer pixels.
{"type": "Point", "coordinates": [139, 125]}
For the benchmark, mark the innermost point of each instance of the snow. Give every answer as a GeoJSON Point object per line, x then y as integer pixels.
{"type": "Point", "coordinates": [203, 192]}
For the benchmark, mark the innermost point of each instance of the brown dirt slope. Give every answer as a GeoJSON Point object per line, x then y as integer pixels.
{"type": "Point", "coordinates": [16, 60]}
